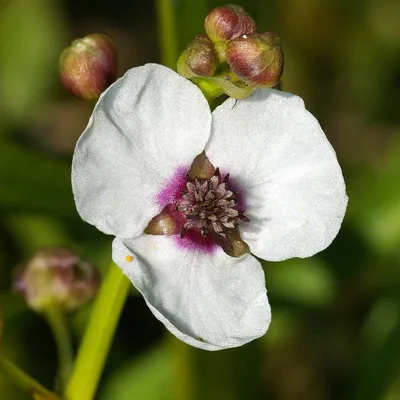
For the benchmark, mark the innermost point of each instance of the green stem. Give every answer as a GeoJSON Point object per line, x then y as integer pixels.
{"type": "Point", "coordinates": [59, 327]}
{"type": "Point", "coordinates": [182, 363]}
{"type": "Point", "coordinates": [98, 336]}
{"type": "Point", "coordinates": [210, 90]}
{"type": "Point", "coordinates": [166, 32]}
{"type": "Point", "coordinates": [24, 381]}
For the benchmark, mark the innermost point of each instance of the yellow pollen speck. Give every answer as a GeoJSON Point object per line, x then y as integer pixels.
{"type": "Point", "coordinates": [128, 258]}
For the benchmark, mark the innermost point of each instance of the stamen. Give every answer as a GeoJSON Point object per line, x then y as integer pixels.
{"type": "Point", "coordinates": [183, 232]}
{"type": "Point", "coordinates": [210, 207]}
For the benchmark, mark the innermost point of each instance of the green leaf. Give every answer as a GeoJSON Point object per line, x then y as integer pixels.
{"type": "Point", "coordinates": [31, 182]}
{"type": "Point", "coordinates": [375, 202]}
{"type": "Point", "coordinates": [379, 355]}
{"type": "Point", "coordinates": [147, 377]}
{"type": "Point", "coordinates": [304, 281]}
{"type": "Point", "coordinates": [31, 232]}
{"type": "Point", "coordinates": [190, 16]}
{"type": "Point", "coordinates": [31, 33]}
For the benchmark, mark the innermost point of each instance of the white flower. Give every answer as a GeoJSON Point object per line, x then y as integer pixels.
{"type": "Point", "coordinates": [132, 160]}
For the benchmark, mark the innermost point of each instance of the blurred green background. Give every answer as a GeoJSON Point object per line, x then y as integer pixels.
{"type": "Point", "coordinates": [335, 331]}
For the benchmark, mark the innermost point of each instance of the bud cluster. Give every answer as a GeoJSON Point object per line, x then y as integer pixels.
{"type": "Point", "coordinates": [232, 54]}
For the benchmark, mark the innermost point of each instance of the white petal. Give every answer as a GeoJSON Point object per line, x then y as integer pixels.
{"type": "Point", "coordinates": [293, 186]}
{"type": "Point", "coordinates": [208, 300]}
{"type": "Point", "coordinates": [146, 126]}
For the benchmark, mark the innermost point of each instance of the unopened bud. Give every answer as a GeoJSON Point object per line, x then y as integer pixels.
{"type": "Point", "coordinates": [257, 59]}
{"type": "Point", "coordinates": [228, 22]}
{"type": "Point", "coordinates": [198, 59]}
{"type": "Point", "coordinates": [88, 66]}
{"type": "Point", "coordinates": [56, 277]}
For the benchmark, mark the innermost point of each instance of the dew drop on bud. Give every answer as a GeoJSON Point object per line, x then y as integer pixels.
{"type": "Point", "coordinates": [88, 66]}
{"type": "Point", "coordinates": [257, 59]}
{"type": "Point", "coordinates": [228, 22]}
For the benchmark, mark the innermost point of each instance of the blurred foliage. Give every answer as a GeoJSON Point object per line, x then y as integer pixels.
{"type": "Point", "coordinates": [335, 332]}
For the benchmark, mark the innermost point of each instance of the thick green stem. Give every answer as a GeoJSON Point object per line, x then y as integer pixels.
{"type": "Point", "coordinates": [24, 381]}
{"type": "Point", "coordinates": [59, 327]}
{"type": "Point", "coordinates": [98, 336]}
{"type": "Point", "coordinates": [166, 32]}
{"type": "Point", "coordinates": [182, 364]}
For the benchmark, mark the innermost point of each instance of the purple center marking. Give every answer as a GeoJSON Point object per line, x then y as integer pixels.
{"type": "Point", "coordinates": [173, 188]}
{"type": "Point", "coordinates": [173, 194]}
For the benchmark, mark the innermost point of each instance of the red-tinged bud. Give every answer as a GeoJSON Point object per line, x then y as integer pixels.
{"type": "Point", "coordinates": [198, 59]}
{"type": "Point", "coordinates": [228, 22]}
{"type": "Point", "coordinates": [257, 59]}
{"type": "Point", "coordinates": [56, 277]}
{"type": "Point", "coordinates": [88, 66]}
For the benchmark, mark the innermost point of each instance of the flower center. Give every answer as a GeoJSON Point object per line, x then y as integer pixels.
{"type": "Point", "coordinates": [210, 207]}
{"type": "Point", "coordinates": [201, 210]}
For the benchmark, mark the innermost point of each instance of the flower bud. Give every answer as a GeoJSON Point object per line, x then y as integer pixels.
{"type": "Point", "coordinates": [88, 66]}
{"type": "Point", "coordinates": [56, 277]}
{"type": "Point", "coordinates": [198, 59]}
{"type": "Point", "coordinates": [257, 59]}
{"type": "Point", "coordinates": [228, 22]}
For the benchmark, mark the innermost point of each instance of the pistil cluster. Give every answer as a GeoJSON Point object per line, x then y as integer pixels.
{"type": "Point", "coordinates": [210, 207]}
